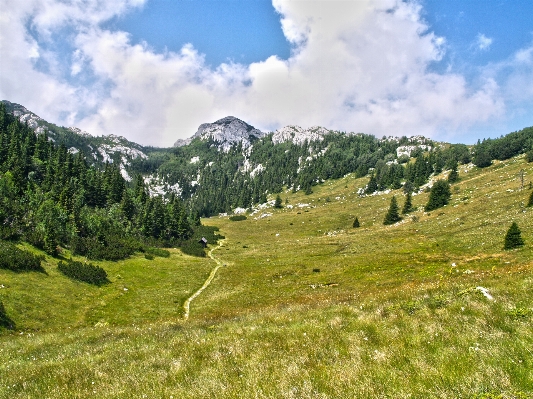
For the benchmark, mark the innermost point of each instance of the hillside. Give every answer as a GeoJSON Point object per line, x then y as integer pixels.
{"type": "Point", "coordinates": [305, 306]}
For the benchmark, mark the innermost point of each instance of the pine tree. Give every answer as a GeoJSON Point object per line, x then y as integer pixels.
{"type": "Point", "coordinates": [408, 205]}
{"type": "Point", "coordinates": [439, 196]}
{"type": "Point", "coordinates": [356, 223]}
{"type": "Point", "coordinates": [278, 202]}
{"type": "Point", "coordinates": [392, 215]}
{"type": "Point", "coordinates": [454, 174]}
{"type": "Point", "coordinates": [372, 185]}
{"type": "Point", "coordinates": [513, 238]}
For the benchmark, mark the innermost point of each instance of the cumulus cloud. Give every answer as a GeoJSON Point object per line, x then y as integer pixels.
{"type": "Point", "coordinates": [361, 66]}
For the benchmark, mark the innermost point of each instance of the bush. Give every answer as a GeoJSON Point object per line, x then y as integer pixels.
{"type": "Point", "coordinates": [86, 272]}
{"type": "Point", "coordinates": [237, 218]}
{"type": "Point", "coordinates": [162, 253]}
{"type": "Point", "coordinates": [18, 260]}
{"type": "Point", "coordinates": [109, 248]}
{"type": "Point", "coordinates": [529, 156]}
{"type": "Point", "coordinates": [193, 248]}
{"type": "Point", "coordinates": [149, 256]}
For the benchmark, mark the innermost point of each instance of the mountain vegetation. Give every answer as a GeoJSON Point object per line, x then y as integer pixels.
{"type": "Point", "coordinates": [55, 199]}
{"type": "Point", "coordinates": [303, 303]}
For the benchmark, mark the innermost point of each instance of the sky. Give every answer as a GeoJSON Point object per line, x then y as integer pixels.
{"type": "Point", "coordinates": [154, 70]}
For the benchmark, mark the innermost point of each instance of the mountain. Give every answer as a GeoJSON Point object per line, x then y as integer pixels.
{"type": "Point", "coordinates": [229, 164]}
{"type": "Point", "coordinates": [97, 149]}
{"type": "Point", "coordinates": [225, 132]}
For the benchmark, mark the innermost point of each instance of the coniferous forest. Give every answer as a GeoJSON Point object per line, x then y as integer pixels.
{"type": "Point", "coordinates": [52, 198]}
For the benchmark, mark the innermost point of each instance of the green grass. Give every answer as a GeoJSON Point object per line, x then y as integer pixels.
{"type": "Point", "coordinates": [394, 311]}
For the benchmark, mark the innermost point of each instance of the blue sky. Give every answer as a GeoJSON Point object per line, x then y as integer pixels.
{"type": "Point", "coordinates": [153, 70]}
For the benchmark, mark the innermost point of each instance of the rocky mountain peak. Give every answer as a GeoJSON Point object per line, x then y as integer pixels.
{"type": "Point", "coordinates": [226, 132]}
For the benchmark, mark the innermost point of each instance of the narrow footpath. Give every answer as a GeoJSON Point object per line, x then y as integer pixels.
{"type": "Point", "coordinates": [187, 304]}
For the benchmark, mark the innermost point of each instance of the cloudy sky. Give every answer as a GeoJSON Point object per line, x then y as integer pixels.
{"type": "Point", "coordinates": [153, 70]}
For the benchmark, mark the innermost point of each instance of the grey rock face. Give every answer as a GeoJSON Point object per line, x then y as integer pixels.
{"type": "Point", "coordinates": [225, 132]}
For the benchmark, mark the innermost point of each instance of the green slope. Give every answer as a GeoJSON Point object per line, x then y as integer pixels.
{"type": "Point", "coordinates": [306, 306]}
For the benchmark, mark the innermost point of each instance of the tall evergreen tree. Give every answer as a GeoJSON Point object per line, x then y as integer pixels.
{"type": "Point", "coordinates": [513, 238]}
{"type": "Point", "coordinates": [372, 185]}
{"type": "Point", "coordinates": [356, 223]}
{"type": "Point", "coordinates": [439, 196]}
{"type": "Point", "coordinates": [408, 205]}
{"type": "Point", "coordinates": [392, 215]}
{"type": "Point", "coordinates": [454, 174]}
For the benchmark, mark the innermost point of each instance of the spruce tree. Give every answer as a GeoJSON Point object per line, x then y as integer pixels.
{"type": "Point", "coordinates": [408, 205]}
{"type": "Point", "coordinates": [372, 185]}
{"type": "Point", "coordinates": [513, 238]}
{"type": "Point", "coordinates": [278, 202]}
{"type": "Point", "coordinates": [454, 174]}
{"type": "Point", "coordinates": [356, 223]}
{"type": "Point", "coordinates": [439, 196]}
{"type": "Point", "coordinates": [392, 215]}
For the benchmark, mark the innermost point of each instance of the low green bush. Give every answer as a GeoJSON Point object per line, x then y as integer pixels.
{"type": "Point", "coordinates": [162, 253]}
{"type": "Point", "coordinates": [237, 218]}
{"type": "Point", "coordinates": [18, 260]}
{"type": "Point", "coordinates": [149, 256]}
{"type": "Point", "coordinates": [86, 272]}
{"type": "Point", "coordinates": [110, 248]}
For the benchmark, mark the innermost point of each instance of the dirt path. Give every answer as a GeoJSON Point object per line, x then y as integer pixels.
{"type": "Point", "coordinates": [187, 303]}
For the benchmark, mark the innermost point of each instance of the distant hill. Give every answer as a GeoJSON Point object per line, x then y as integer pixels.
{"type": "Point", "coordinates": [230, 164]}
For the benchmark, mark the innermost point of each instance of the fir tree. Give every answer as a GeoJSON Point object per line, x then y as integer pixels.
{"type": "Point", "coordinates": [454, 174]}
{"type": "Point", "coordinates": [356, 223]}
{"type": "Point", "coordinates": [392, 215]}
{"type": "Point", "coordinates": [278, 202]}
{"type": "Point", "coordinates": [408, 205]}
{"type": "Point", "coordinates": [439, 196]}
{"type": "Point", "coordinates": [513, 238]}
{"type": "Point", "coordinates": [372, 185]}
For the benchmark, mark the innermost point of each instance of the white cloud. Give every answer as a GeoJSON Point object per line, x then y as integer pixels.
{"type": "Point", "coordinates": [356, 66]}
{"type": "Point", "coordinates": [482, 42]}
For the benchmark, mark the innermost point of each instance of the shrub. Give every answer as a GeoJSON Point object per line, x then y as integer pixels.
{"type": "Point", "coordinates": [149, 256]}
{"type": "Point", "coordinates": [237, 218]}
{"type": "Point", "coordinates": [111, 247]}
{"type": "Point", "coordinates": [86, 272]}
{"type": "Point", "coordinates": [356, 223]}
{"type": "Point", "coordinates": [162, 253]}
{"type": "Point", "coordinates": [530, 202]}
{"type": "Point", "coordinates": [18, 260]}
{"type": "Point", "coordinates": [193, 248]}
{"type": "Point", "coordinates": [513, 238]}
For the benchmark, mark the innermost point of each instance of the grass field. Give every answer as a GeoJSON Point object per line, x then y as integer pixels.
{"type": "Point", "coordinates": [305, 307]}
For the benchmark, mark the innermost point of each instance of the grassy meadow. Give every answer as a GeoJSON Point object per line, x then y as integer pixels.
{"type": "Point", "coordinates": [305, 306]}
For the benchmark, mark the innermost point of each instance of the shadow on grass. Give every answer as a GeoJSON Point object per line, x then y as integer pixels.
{"type": "Point", "coordinates": [5, 320]}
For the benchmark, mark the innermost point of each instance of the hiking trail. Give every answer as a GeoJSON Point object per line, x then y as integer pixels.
{"type": "Point", "coordinates": [187, 303]}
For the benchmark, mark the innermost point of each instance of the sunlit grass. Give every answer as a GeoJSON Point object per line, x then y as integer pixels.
{"type": "Point", "coordinates": [306, 306]}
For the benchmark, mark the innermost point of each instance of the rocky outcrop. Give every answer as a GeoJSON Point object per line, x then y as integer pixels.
{"type": "Point", "coordinates": [297, 135]}
{"type": "Point", "coordinates": [225, 132]}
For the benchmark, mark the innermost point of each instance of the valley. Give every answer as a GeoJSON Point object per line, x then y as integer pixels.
{"type": "Point", "coordinates": [306, 307]}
